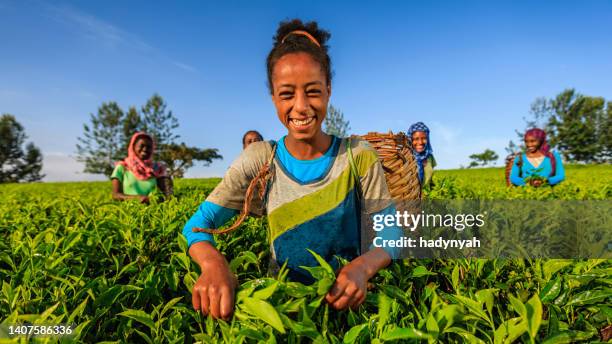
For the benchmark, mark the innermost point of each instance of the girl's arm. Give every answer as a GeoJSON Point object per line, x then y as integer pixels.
{"type": "Point", "coordinates": [213, 292]}
{"type": "Point", "coordinates": [208, 215]}
{"type": "Point", "coordinates": [514, 173]}
{"type": "Point", "coordinates": [559, 171]}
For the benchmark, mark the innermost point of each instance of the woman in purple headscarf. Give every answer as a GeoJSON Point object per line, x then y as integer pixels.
{"type": "Point", "coordinates": [538, 165]}
{"type": "Point", "coordinates": [418, 133]}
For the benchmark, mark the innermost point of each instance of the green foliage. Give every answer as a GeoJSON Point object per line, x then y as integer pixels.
{"type": "Point", "coordinates": [574, 125]}
{"type": "Point", "coordinates": [106, 139]}
{"type": "Point", "coordinates": [121, 272]}
{"type": "Point", "coordinates": [180, 157]}
{"type": "Point", "coordinates": [335, 124]}
{"type": "Point", "coordinates": [579, 126]}
{"type": "Point", "coordinates": [158, 121]}
{"type": "Point", "coordinates": [16, 164]}
{"type": "Point", "coordinates": [581, 183]}
{"type": "Point", "coordinates": [483, 159]}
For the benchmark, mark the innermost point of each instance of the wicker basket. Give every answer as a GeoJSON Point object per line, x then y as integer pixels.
{"type": "Point", "coordinates": [401, 170]}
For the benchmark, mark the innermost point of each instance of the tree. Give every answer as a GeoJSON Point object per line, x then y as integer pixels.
{"type": "Point", "coordinates": [180, 157]}
{"type": "Point", "coordinates": [16, 164]}
{"type": "Point", "coordinates": [106, 139]}
{"type": "Point", "coordinates": [103, 143]}
{"type": "Point", "coordinates": [158, 122]}
{"type": "Point", "coordinates": [483, 159]}
{"type": "Point", "coordinates": [577, 125]}
{"type": "Point", "coordinates": [574, 125]}
{"type": "Point", "coordinates": [334, 122]}
{"type": "Point", "coordinates": [132, 123]}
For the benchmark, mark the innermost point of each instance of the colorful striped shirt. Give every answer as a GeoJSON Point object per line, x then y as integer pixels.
{"type": "Point", "coordinates": [318, 211]}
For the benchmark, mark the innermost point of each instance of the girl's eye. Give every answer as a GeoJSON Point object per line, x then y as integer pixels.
{"type": "Point", "coordinates": [313, 92]}
{"type": "Point", "coordinates": [286, 95]}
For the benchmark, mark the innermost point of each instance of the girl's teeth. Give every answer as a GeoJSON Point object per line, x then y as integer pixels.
{"type": "Point", "coordinates": [304, 122]}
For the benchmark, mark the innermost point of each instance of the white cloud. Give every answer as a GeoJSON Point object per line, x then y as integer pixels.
{"type": "Point", "coordinates": [97, 29]}
{"type": "Point", "coordinates": [109, 35]}
{"type": "Point", "coordinates": [61, 167]}
{"type": "Point", "coordinates": [184, 66]}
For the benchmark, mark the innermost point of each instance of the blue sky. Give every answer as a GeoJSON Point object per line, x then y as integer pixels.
{"type": "Point", "coordinates": [468, 69]}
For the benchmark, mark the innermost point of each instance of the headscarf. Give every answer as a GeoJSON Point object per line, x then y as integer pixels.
{"type": "Point", "coordinates": [422, 156]}
{"type": "Point", "coordinates": [540, 135]}
{"type": "Point", "coordinates": [142, 169]}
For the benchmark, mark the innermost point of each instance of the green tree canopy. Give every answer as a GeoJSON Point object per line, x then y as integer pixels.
{"type": "Point", "coordinates": [180, 157]}
{"type": "Point", "coordinates": [17, 164]}
{"type": "Point", "coordinates": [483, 159]}
{"type": "Point", "coordinates": [105, 140]}
{"type": "Point", "coordinates": [159, 122]}
{"type": "Point", "coordinates": [577, 125]}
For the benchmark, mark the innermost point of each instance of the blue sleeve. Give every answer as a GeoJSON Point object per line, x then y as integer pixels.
{"type": "Point", "coordinates": [389, 233]}
{"type": "Point", "coordinates": [514, 173]}
{"type": "Point", "coordinates": [559, 171]}
{"type": "Point", "coordinates": [208, 215]}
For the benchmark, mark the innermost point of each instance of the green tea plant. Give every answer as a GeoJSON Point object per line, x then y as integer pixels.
{"type": "Point", "coordinates": [120, 272]}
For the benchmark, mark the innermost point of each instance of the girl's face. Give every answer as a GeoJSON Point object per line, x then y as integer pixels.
{"type": "Point", "coordinates": [419, 141]}
{"type": "Point", "coordinates": [300, 94]}
{"type": "Point", "coordinates": [532, 144]}
{"type": "Point", "coordinates": [250, 138]}
{"type": "Point", "coordinates": [143, 148]}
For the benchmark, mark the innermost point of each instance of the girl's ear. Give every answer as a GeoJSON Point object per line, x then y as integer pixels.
{"type": "Point", "coordinates": [329, 90]}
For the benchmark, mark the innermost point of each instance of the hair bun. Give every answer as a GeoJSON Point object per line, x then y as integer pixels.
{"type": "Point", "coordinates": [295, 36]}
{"type": "Point", "coordinates": [286, 27]}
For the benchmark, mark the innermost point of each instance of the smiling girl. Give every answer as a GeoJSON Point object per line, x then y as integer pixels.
{"type": "Point", "coordinates": [136, 176]}
{"type": "Point", "coordinates": [313, 196]}
{"type": "Point", "coordinates": [423, 153]}
{"type": "Point", "coordinates": [538, 165]}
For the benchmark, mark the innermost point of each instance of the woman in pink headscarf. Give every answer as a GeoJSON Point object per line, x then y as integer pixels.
{"type": "Point", "coordinates": [136, 176]}
{"type": "Point", "coordinates": [538, 165]}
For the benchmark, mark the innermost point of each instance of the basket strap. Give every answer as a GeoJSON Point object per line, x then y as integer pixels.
{"type": "Point", "coordinates": [261, 181]}
{"type": "Point", "coordinates": [354, 171]}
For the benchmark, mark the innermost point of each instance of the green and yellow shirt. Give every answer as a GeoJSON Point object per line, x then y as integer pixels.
{"type": "Point", "coordinates": [131, 184]}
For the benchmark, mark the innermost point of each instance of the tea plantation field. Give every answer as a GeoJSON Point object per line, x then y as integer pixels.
{"type": "Point", "coordinates": [119, 272]}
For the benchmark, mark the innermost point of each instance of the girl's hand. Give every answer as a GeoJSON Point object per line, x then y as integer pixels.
{"type": "Point", "coordinates": [214, 290]}
{"type": "Point", "coordinates": [536, 182]}
{"type": "Point", "coordinates": [350, 288]}
{"type": "Point", "coordinates": [144, 199]}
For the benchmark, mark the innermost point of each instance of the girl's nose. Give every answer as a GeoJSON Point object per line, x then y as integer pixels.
{"type": "Point", "coordinates": [301, 102]}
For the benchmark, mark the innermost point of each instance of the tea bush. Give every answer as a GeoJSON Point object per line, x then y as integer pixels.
{"type": "Point", "coordinates": [120, 272]}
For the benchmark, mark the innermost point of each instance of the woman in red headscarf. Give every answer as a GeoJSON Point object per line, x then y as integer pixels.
{"type": "Point", "coordinates": [538, 165]}
{"type": "Point", "coordinates": [136, 176]}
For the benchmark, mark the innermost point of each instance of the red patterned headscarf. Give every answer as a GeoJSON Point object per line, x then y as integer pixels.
{"type": "Point", "coordinates": [540, 135]}
{"type": "Point", "coordinates": [142, 169]}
